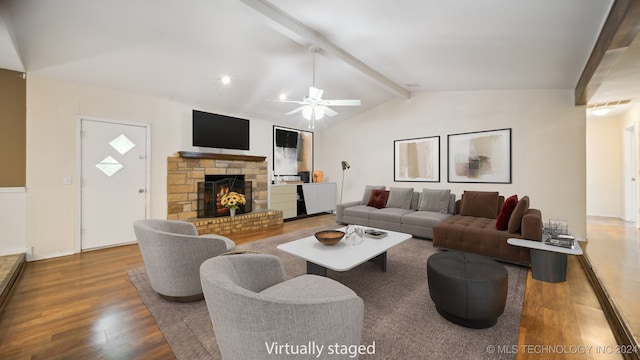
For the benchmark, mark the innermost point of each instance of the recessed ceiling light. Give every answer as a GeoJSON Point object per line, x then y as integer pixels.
{"type": "Point", "coordinates": [600, 111]}
{"type": "Point", "coordinates": [282, 97]}
{"type": "Point", "coordinates": [225, 80]}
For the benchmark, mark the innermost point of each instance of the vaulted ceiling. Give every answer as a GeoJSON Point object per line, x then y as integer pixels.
{"type": "Point", "coordinates": [374, 50]}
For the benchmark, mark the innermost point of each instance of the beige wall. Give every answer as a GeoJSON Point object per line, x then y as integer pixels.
{"type": "Point", "coordinates": [548, 147]}
{"type": "Point", "coordinates": [631, 117]}
{"type": "Point", "coordinates": [53, 110]}
{"type": "Point", "coordinates": [548, 135]}
{"type": "Point", "coordinates": [605, 163]}
{"type": "Point", "coordinates": [605, 154]}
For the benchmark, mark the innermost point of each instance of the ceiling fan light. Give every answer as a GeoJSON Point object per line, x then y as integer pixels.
{"type": "Point", "coordinates": [306, 112]}
{"type": "Point", "coordinates": [319, 113]}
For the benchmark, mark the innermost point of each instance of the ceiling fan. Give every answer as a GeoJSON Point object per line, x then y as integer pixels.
{"type": "Point", "coordinates": [313, 106]}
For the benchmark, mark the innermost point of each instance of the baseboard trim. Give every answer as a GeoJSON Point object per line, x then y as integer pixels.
{"type": "Point", "coordinates": [621, 331]}
{"type": "Point", "coordinates": [50, 255]}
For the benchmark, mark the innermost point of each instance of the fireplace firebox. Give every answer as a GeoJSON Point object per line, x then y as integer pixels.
{"type": "Point", "coordinates": [210, 193]}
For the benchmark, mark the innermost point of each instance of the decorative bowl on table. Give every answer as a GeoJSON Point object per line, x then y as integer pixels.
{"type": "Point", "coordinates": [329, 237]}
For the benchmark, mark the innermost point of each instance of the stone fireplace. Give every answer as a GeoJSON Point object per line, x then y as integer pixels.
{"type": "Point", "coordinates": [189, 169]}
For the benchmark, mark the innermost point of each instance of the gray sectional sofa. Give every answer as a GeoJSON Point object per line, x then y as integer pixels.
{"type": "Point", "coordinates": [480, 222]}
{"type": "Point", "coordinates": [403, 209]}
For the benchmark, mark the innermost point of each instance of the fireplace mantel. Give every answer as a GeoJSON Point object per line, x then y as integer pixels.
{"type": "Point", "coordinates": [200, 155]}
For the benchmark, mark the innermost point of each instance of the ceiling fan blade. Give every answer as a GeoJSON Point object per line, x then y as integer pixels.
{"type": "Point", "coordinates": [295, 110]}
{"type": "Point", "coordinates": [343, 102]}
{"type": "Point", "coordinates": [328, 111]}
{"type": "Point", "coordinates": [288, 101]}
{"type": "Point", "coordinates": [315, 93]}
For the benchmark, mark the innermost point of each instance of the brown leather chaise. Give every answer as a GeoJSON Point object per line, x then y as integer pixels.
{"type": "Point", "coordinates": [473, 228]}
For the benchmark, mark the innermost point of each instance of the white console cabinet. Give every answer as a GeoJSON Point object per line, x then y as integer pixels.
{"type": "Point", "coordinates": [319, 197]}
{"type": "Point", "coordinates": [303, 199]}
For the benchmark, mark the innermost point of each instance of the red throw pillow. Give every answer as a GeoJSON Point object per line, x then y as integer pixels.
{"type": "Point", "coordinates": [378, 198]}
{"type": "Point", "coordinates": [507, 208]}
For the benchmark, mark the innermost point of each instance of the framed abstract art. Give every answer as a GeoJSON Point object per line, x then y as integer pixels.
{"type": "Point", "coordinates": [480, 157]}
{"type": "Point", "coordinates": [292, 151]}
{"type": "Point", "coordinates": [417, 160]}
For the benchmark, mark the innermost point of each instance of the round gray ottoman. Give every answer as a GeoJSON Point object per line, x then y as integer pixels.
{"type": "Point", "coordinates": [468, 289]}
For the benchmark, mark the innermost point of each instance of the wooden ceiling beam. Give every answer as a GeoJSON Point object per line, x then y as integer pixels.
{"type": "Point", "coordinates": [619, 30]}
{"type": "Point", "coordinates": [296, 30]}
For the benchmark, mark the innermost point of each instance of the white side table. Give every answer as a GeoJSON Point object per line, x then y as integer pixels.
{"type": "Point", "coordinates": [548, 262]}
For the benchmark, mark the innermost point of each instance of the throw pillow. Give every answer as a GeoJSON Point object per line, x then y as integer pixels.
{"type": "Point", "coordinates": [435, 200]}
{"type": "Point", "coordinates": [367, 193]}
{"type": "Point", "coordinates": [516, 216]}
{"type": "Point", "coordinates": [480, 204]}
{"type": "Point", "coordinates": [400, 198]}
{"type": "Point", "coordinates": [505, 214]}
{"type": "Point", "coordinates": [378, 198]}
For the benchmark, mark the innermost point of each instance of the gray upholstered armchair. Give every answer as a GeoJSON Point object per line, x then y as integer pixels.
{"type": "Point", "coordinates": [253, 307]}
{"type": "Point", "coordinates": [172, 253]}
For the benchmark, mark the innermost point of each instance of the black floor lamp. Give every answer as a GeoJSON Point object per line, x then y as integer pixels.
{"type": "Point", "coordinates": [345, 166]}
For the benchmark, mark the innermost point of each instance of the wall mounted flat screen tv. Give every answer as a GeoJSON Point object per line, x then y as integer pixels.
{"type": "Point", "coordinates": [220, 131]}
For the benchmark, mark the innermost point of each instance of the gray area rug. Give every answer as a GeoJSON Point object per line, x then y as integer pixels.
{"type": "Point", "coordinates": [399, 315]}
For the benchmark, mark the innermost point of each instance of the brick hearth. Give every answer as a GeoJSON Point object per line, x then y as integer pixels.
{"type": "Point", "coordinates": [186, 170]}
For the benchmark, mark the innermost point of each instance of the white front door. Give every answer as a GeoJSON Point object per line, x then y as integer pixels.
{"type": "Point", "coordinates": [113, 182]}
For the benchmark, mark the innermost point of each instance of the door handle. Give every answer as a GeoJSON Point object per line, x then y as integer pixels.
{"type": "Point", "coordinates": [140, 191]}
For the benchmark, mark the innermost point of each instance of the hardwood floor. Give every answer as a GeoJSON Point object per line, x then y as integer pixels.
{"type": "Point", "coordinates": [80, 306]}
{"type": "Point", "coordinates": [84, 307]}
{"type": "Point", "coordinates": [564, 318]}
{"type": "Point", "coordinates": [614, 250]}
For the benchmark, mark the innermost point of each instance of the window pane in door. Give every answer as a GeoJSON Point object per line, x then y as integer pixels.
{"type": "Point", "coordinates": [122, 144]}
{"type": "Point", "coordinates": [109, 166]}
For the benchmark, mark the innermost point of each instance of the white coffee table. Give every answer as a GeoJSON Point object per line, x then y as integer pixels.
{"type": "Point", "coordinates": [343, 256]}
